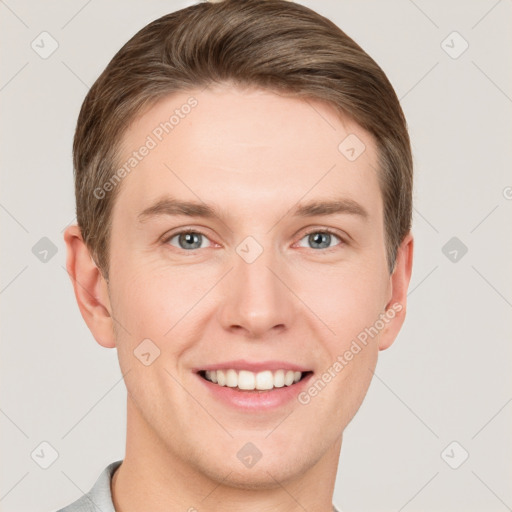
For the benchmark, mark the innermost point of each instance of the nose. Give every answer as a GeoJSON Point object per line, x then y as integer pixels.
{"type": "Point", "coordinates": [257, 299]}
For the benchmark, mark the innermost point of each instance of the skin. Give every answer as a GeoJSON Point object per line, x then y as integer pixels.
{"type": "Point", "coordinates": [253, 155]}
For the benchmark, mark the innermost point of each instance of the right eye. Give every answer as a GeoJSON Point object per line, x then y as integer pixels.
{"type": "Point", "coordinates": [189, 239]}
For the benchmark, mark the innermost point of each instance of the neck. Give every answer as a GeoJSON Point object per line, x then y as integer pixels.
{"type": "Point", "coordinates": [154, 477]}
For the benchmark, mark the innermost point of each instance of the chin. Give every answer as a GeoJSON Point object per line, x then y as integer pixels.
{"type": "Point", "coordinates": [264, 474]}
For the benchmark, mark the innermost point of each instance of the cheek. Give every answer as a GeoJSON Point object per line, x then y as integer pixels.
{"type": "Point", "coordinates": [339, 387]}
{"type": "Point", "coordinates": [151, 296]}
{"type": "Point", "coordinates": [347, 299]}
{"type": "Point", "coordinates": [156, 303]}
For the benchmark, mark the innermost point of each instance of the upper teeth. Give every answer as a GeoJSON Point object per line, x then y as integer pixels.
{"type": "Point", "coordinates": [250, 380]}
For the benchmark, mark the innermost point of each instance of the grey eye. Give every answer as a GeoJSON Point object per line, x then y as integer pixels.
{"type": "Point", "coordinates": [188, 240]}
{"type": "Point", "coordinates": [320, 239]}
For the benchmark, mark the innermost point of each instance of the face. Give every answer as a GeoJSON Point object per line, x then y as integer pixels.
{"type": "Point", "coordinates": [276, 262]}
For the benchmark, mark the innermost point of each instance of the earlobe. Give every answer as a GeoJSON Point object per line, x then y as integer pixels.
{"type": "Point", "coordinates": [397, 305]}
{"type": "Point", "coordinates": [90, 287]}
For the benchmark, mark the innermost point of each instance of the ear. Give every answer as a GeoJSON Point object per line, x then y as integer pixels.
{"type": "Point", "coordinates": [91, 289]}
{"type": "Point", "coordinates": [399, 284]}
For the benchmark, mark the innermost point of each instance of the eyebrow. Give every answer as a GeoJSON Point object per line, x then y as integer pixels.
{"type": "Point", "coordinates": [173, 207]}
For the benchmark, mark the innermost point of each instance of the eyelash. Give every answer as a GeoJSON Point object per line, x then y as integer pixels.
{"type": "Point", "coordinates": [330, 231]}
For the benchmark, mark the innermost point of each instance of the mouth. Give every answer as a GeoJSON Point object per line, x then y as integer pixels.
{"type": "Point", "coordinates": [254, 382]}
{"type": "Point", "coordinates": [254, 386]}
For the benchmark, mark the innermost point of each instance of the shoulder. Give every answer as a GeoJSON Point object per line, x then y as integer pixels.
{"type": "Point", "coordinates": [99, 498]}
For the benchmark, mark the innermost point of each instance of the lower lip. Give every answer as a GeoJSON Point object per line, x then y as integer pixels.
{"type": "Point", "coordinates": [256, 401]}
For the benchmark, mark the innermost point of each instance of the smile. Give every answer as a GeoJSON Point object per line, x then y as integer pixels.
{"type": "Point", "coordinates": [245, 380]}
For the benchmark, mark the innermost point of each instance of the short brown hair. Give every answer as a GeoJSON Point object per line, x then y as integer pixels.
{"type": "Point", "coordinates": [273, 44]}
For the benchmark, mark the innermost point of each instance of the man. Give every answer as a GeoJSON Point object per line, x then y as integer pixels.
{"type": "Point", "coordinates": [244, 193]}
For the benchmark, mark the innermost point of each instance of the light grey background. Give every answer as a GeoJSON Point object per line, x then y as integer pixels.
{"type": "Point", "coordinates": [447, 377]}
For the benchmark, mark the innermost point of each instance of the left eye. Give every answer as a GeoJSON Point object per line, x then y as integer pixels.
{"type": "Point", "coordinates": [320, 239]}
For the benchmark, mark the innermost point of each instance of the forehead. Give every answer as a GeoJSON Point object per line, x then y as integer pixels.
{"type": "Point", "coordinates": [251, 149]}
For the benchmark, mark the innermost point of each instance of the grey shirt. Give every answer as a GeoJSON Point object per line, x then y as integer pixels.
{"type": "Point", "coordinates": [99, 498]}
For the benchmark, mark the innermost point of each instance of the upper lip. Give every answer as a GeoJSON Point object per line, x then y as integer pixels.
{"type": "Point", "coordinates": [254, 366]}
